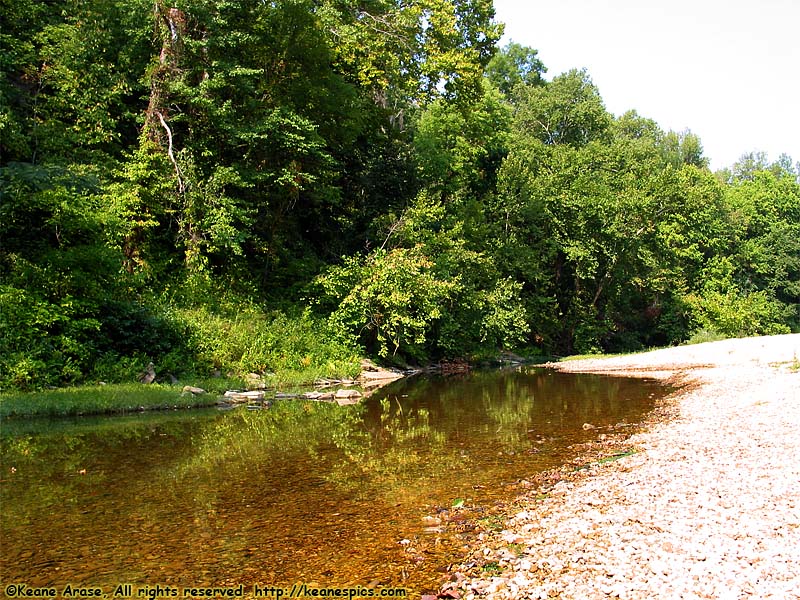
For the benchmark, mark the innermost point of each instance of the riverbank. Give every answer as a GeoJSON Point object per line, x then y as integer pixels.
{"type": "Point", "coordinates": [115, 398]}
{"type": "Point", "coordinates": [704, 503]}
{"type": "Point", "coordinates": [121, 398]}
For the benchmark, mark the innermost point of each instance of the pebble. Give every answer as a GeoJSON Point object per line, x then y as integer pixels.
{"type": "Point", "coordinates": [706, 509]}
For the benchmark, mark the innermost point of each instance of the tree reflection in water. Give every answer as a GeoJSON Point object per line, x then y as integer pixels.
{"type": "Point", "coordinates": [304, 491]}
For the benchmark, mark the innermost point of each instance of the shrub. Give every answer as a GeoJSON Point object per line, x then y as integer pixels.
{"type": "Point", "coordinates": [390, 299]}
{"type": "Point", "coordinates": [298, 346]}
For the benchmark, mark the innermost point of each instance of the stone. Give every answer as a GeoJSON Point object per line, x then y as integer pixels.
{"type": "Point", "coordinates": [236, 396]}
{"type": "Point", "coordinates": [255, 381]}
{"type": "Point", "coordinates": [196, 391]}
{"type": "Point", "coordinates": [347, 397]}
{"type": "Point", "coordinates": [368, 365]}
{"type": "Point", "coordinates": [382, 375]}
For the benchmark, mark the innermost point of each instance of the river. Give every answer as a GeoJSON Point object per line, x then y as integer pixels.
{"type": "Point", "coordinates": [383, 493]}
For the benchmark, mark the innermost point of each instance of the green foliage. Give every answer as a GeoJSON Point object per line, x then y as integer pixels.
{"type": "Point", "coordinates": [503, 323]}
{"type": "Point", "coordinates": [626, 225]}
{"type": "Point", "coordinates": [683, 149]}
{"type": "Point", "coordinates": [414, 50]}
{"type": "Point", "coordinates": [391, 299]}
{"type": "Point", "coordinates": [702, 336]}
{"type": "Point", "coordinates": [173, 178]}
{"type": "Point", "coordinates": [41, 342]}
{"type": "Point", "coordinates": [431, 294]}
{"type": "Point", "coordinates": [98, 399]}
{"type": "Point", "coordinates": [765, 213]}
{"type": "Point", "coordinates": [569, 110]}
{"type": "Point", "coordinates": [245, 339]}
{"type": "Point", "coordinates": [460, 150]}
{"type": "Point", "coordinates": [515, 65]}
{"type": "Point", "coordinates": [54, 275]}
{"type": "Point", "coordinates": [724, 308]}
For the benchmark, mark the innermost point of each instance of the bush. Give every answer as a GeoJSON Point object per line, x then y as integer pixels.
{"type": "Point", "coordinates": [41, 342]}
{"type": "Point", "coordinates": [291, 347]}
{"type": "Point", "coordinates": [390, 299]}
{"type": "Point", "coordinates": [702, 336]}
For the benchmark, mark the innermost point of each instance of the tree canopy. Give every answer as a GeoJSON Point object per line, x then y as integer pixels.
{"type": "Point", "coordinates": [382, 170]}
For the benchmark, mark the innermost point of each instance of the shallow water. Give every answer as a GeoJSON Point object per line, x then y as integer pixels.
{"type": "Point", "coordinates": [304, 492]}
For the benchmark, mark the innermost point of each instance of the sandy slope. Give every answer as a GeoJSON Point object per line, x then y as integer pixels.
{"type": "Point", "coordinates": [709, 507]}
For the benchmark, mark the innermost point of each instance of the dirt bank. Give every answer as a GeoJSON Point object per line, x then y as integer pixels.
{"type": "Point", "coordinates": [708, 506]}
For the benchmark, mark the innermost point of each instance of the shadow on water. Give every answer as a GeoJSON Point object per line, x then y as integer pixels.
{"type": "Point", "coordinates": [304, 492]}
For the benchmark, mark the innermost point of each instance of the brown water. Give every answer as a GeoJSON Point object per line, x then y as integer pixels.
{"type": "Point", "coordinates": [303, 492]}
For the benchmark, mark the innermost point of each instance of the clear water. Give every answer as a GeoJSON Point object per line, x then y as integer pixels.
{"type": "Point", "coordinates": [304, 492]}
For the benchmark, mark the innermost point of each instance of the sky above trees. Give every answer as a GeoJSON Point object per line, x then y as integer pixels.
{"type": "Point", "coordinates": [726, 69]}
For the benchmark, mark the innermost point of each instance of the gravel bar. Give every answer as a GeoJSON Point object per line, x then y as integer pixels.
{"type": "Point", "coordinates": [705, 504]}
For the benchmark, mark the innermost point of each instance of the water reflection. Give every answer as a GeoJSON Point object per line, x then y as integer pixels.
{"type": "Point", "coordinates": [304, 492]}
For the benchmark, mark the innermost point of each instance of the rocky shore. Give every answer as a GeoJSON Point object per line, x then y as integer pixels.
{"type": "Point", "coordinates": [704, 503]}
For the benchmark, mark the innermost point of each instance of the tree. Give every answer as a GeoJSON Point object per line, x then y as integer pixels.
{"type": "Point", "coordinates": [605, 229]}
{"type": "Point", "coordinates": [765, 218]}
{"type": "Point", "coordinates": [568, 110]}
{"type": "Point", "coordinates": [459, 149]}
{"type": "Point", "coordinates": [410, 52]}
{"type": "Point", "coordinates": [514, 65]}
{"type": "Point", "coordinates": [683, 149]}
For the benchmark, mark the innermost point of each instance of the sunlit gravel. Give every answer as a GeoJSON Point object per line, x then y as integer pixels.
{"type": "Point", "coordinates": [709, 506]}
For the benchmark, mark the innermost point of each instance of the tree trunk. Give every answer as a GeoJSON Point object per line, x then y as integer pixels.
{"type": "Point", "coordinates": [169, 26]}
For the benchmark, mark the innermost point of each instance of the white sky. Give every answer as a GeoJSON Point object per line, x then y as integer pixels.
{"type": "Point", "coordinates": [728, 70]}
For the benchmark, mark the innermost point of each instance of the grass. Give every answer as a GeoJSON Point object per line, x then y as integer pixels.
{"type": "Point", "coordinates": [99, 399]}
{"type": "Point", "coordinates": [596, 355]}
{"type": "Point", "coordinates": [705, 335]}
{"type": "Point", "coordinates": [492, 523]}
{"type": "Point", "coordinates": [492, 568]}
{"type": "Point", "coordinates": [518, 549]}
{"type": "Point", "coordinates": [793, 365]}
{"type": "Point", "coordinates": [288, 350]}
{"type": "Point", "coordinates": [122, 398]}
{"type": "Point", "coordinates": [617, 456]}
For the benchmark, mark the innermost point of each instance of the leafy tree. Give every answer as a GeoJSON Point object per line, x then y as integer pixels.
{"type": "Point", "coordinates": [683, 149]}
{"type": "Point", "coordinates": [391, 298]}
{"type": "Point", "coordinates": [514, 65]}
{"type": "Point", "coordinates": [56, 275]}
{"type": "Point", "coordinates": [75, 77]}
{"type": "Point", "coordinates": [162, 161]}
{"type": "Point", "coordinates": [431, 294]}
{"type": "Point", "coordinates": [406, 52]}
{"type": "Point", "coordinates": [607, 230]}
{"type": "Point", "coordinates": [765, 214]}
{"type": "Point", "coordinates": [460, 150]}
{"type": "Point", "coordinates": [568, 110]}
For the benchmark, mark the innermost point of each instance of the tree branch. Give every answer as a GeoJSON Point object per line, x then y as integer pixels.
{"type": "Point", "coordinates": [181, 187]}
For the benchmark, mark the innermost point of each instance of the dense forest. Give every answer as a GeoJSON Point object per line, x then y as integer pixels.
{"type": "Point", "coordinates": [266, 186]}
